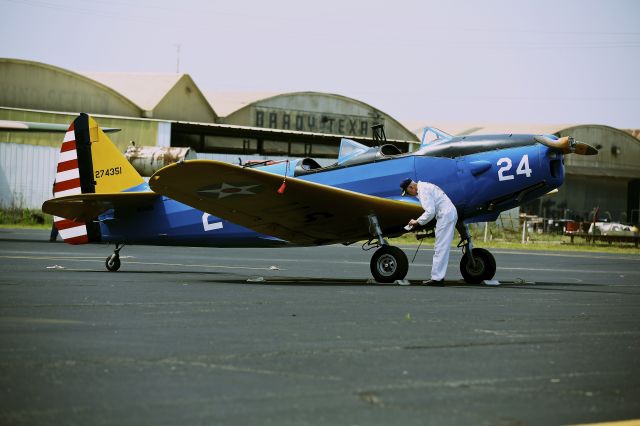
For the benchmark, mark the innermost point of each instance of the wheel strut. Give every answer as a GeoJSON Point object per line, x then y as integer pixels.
{"type": "Point", "coordinates": [375, 230]}
{"type": "Point", "coordinates": [113, 262]}
{"type": "Point", "coordinates": [466, 242]}
{"type": "Point", "coordinates": [388, 263]}
{"type": "Point", "coordinates": [477, 264]}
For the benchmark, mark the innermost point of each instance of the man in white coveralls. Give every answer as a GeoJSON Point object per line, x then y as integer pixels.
{"type": "Point", "coordinates": [436, 204]}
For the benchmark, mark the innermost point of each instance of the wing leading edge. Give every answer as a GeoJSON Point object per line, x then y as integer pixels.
{"type": "Point", "coordinates": [305, 213]}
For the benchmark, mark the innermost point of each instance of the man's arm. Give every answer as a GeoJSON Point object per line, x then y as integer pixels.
{"type": "Point", "coordinates": [429, 208]}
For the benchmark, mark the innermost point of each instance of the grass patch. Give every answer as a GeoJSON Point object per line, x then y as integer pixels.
{"type": "Point", "coordinates": [501, 238]}
{"type": "Point", "coordinates": [15, 217]}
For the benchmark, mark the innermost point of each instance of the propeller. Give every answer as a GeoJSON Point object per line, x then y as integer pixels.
{"type": "Point", "coordinates": [567, 145]}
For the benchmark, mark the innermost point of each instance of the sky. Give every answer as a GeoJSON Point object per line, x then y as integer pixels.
{"type": "Point", "coordinates": [484, 61]}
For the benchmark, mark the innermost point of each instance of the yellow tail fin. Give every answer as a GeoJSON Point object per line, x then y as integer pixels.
{"type": "Point", "coordinates": [89, 163]}
{"type": "Point", "coordinates": [111, 170]}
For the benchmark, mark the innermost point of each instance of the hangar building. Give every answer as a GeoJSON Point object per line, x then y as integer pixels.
{"type": "Point", "coordinates": [170, 110]}
{"type": "Point", "coordinates": [320, 113]}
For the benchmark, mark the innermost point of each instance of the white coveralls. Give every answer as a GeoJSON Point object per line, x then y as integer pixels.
{"type": "Point", "coordinates": [436, 204]}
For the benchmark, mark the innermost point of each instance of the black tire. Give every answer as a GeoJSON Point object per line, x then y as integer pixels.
{"type": "Point", "coordinates": [485, 266]}
{"type": "Point", "coordinates": [112, 263]}
{"type": "Point", "coordinates": [389, 264]}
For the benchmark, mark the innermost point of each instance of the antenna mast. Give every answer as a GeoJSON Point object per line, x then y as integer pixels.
{"type": "Point", "coordinates": [177, 58]}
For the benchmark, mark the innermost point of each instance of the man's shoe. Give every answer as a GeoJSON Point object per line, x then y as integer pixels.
{"type": "Point", "coordinates": [436, 283]}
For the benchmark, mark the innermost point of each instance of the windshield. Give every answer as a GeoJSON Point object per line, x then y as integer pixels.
{"type": "Point", "coordinates": [432, 135]}
{"type": "Point", "coordinates": [350, 149]}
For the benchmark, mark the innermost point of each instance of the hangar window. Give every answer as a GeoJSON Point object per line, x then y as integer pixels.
{"type": "Point", "coordinates": [229, 145]}
{"type": "Point", "coordinates": [187, 140]}
{"type": "Point", "coordinates": [275, 148]}
{"type": "Point", "coordinates": [214, 144]}
{"type": "Point", "coordinates": [222, 141]}
{"type": "Point", "coordinates": [325, 151]}
{"type": "Point", "coordinates": [299, 149]}
{"type": "Point", "coordinates": [302, 149]}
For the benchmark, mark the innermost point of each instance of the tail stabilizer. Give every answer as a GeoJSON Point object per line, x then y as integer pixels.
{"type": "Point", "coordinates": [89, 163]}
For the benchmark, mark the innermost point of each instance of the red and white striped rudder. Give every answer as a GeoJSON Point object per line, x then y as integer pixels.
{"type": "Point", "coordinates": [68, 182]}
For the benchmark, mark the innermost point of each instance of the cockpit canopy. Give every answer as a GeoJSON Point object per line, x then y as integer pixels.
{"type": "Point", "coordinates": [432, 135]}
{"type": "Point", "coordinates": [350, 149]}
{"type": "Point", "coordinates": [352, 152]}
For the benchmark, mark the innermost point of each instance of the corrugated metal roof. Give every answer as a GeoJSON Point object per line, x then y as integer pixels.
{"type": "Point", "coordinates": [225, 102]}
{"type": "Point", "coordinates": [144, 89]}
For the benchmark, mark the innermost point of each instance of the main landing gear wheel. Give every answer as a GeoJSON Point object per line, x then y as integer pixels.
{"type": "Point", "coordinates": [483, 267]}
{"type": "Point", "coordinates": [389, 264]}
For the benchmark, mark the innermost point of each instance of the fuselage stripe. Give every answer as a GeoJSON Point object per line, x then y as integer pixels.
{"type": "Point", "coordinates": [76, 231]}
{"type": "Point", "coordinates": [69, 136]}
{"type": "Point", "coordinates": [67, 165]}
{"type": "Point", "coordinates": [68, 175]}
{"type": "Point", "coordinates": [68, 156]}
{"type": "Point", "coordinates": [81, 239]}
{"type": "Point", "coordinates": [67, 184]}
{"type": "Point", "coordinates": [68, 146]}
{"type": "Point", "coordinates": [66, 224]}
{"type": "Point", "coordinates": [72, 191]}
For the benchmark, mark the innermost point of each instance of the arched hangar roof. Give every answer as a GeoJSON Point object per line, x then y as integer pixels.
{"type": "Point", "coordinates": [316, 112]}
{"type": "Point", "coordinates": [35, 85]}
{"type": "Point", "coordinates": [618, 151]}
{"type": "Point", "coordinates": [39, 86]}
{"type": "Point", "coordinates": [161, 95]}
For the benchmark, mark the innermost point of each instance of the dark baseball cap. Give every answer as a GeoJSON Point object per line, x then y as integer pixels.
{"type": "Point", "coordinates": [405, 183]}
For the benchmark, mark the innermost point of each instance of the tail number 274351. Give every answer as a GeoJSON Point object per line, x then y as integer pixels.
{"type": "Point", "coordinates": [108, 172]}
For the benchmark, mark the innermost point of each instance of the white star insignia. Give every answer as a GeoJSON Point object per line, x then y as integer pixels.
{"type": "Point", "coordinates": [226, 190]}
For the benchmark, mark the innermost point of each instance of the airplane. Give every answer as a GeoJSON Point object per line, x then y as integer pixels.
{"type": "Point", "coordinates": [99, 197]}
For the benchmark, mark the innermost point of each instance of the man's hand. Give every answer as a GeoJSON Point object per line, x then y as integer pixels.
{"type": "Point", "coordinates": [412, 223]}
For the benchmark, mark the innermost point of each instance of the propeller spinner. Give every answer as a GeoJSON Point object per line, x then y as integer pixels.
{"type": "Point", "coordinates": [567, 145]}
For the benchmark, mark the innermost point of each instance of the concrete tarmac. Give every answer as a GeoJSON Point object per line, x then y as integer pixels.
{"type": "Point", "coordinates": [295, 336]}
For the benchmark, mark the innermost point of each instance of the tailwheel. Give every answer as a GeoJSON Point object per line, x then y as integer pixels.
{"type": "Point", "coordinates": [113, 262]}
{"type": "Point", "coordinates": [389, 264]}
{"type": "Point", "coordinates": [481, 267]}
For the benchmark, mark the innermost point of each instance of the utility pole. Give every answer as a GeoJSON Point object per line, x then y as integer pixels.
{"type": "Point", "coordinates": [177, 58]}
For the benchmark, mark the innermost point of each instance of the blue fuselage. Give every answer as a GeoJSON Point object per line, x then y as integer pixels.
{"type": "Point", "coordinates": [480, 184]}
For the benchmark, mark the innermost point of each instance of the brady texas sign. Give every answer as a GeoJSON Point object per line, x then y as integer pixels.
{"type": "Point", "coordinates": [310, 121]}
